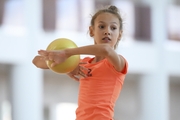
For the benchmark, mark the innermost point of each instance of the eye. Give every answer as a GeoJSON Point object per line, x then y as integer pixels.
{"type": "Point", "coordinates": [113, 28]}
{"type": "Point", "coordinates": [101, 26]}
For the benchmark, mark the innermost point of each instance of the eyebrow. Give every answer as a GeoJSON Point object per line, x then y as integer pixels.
{"type": "Point", "coordinates": [104, 22]}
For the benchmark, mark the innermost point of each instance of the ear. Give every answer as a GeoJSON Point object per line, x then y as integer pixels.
{"type": "Point", "coordinates": [120, 34]}
{"type": "Point", "coordinates": [91, 31]}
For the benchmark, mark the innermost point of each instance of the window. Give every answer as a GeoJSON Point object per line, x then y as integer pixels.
{"type": "Point", "coordinates": [2, 3]}
{"type": "Point", "coordinates": [173, 17]}
{"type": "Point", "coordinates": [126, 9]}
{"type": "Point", "coordinates": [102, 3]}
{"type": "Point", "coordinates": [174, 97]}
{"type": "Point", "coordinates": [142, 22]}
{"type": "Point", "coordinates": [67, 15]}
{"type": "Point", "coordinates": [49, 15]}
{"type": "Point", "coordinates": [14, 13]}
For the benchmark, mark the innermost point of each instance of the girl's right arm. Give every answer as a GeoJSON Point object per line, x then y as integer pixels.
{"type": "Point", "coordinates": [39, 62]}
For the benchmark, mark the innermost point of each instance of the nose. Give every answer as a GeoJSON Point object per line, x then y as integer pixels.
{"type": "Point", "coordinates": [107, 32]}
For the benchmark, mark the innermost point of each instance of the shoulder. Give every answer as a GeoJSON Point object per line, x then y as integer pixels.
{"type": "Point", "coordinates": [124, 63]}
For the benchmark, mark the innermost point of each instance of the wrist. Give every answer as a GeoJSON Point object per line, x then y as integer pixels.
{"type": "Point", "coordinates": [67, 52]}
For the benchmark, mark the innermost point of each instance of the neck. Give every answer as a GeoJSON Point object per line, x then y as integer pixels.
{"type": "Point", "coordinates": [97, 59]}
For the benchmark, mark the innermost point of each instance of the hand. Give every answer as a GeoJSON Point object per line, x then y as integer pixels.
{"type": "Point", "coordinates": [56, 56]}
{"type": "Point", "coordinates": [39, 62]}
{"type": "Point", "coordinates": [78, 72]}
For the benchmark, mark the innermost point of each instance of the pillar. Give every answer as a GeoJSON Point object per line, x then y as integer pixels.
{"type": "Point", "coordinates": [26, 79]}
{"type": "Point", "coordinates": [26, 89]}
{"type": "Point", "coordinates": [155, 85]}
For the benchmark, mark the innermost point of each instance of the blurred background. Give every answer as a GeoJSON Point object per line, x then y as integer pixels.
{"type": "Point", "coordinates": [150, 43]}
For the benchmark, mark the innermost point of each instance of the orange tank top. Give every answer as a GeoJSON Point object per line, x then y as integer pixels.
{"type": "Point", "coordinates": [99, 92]}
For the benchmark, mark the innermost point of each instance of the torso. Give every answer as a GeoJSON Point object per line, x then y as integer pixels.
{"type": "Point", "coordinates": [99, 92]}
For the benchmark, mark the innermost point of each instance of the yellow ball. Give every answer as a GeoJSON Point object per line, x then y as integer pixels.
{"type": "Point", "coordinates": [71, 63]}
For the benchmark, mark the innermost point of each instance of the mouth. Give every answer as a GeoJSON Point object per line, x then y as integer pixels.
{"type": "Point", "coordinates": [106, 39]}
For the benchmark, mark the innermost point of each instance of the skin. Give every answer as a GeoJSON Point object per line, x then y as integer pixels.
{"type": "Point", "coordinates": [105, 32]}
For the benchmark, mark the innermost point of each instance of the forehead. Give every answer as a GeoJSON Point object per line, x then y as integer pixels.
{"type": "Point", "coordinates": [107, 18]}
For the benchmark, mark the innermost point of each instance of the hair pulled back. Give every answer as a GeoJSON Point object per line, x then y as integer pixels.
{"type": "Point", "coordinates": [108, 9]}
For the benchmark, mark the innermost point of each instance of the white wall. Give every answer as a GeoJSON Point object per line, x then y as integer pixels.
{"type": "Point", "coordinates": [33, 88]}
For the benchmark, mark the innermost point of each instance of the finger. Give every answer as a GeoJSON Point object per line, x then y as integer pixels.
{"type": "Point", "coordinates": [83, 68]}
{"type": "Point", "coordinates": [82, 74]}
{"type": "Point", "coordinates": [45, 58]}
{"type": "Point", "coordinates": [53, 57]}
{"type": "Point", "coordinates": [42, 58]}
{"type": "Point", "coordinates": [42, 52]}
{"type": "Point", "coordinates": [73, 77]}
{"type": "Point", "coordinates": [56, 53]}
{"type": "Point", "coordinates": [53, 64]}
{"type": "Point", "coordinates": [49, 58]}
{"type": "Point", "coordinates": [51, 53]}
{"type": "Point", "coordinates": [83, 63]}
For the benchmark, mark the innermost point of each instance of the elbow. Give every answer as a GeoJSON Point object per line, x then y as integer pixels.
{"type": "Point", "coordinates": [35, 61]}
{"type": "Point", "coordinates": [39, 63]}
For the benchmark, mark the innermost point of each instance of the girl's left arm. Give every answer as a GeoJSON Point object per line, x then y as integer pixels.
{"type": "Point", "coordinates": [103, 50]}
{"type": "Point", "coordinates": [100, 50]}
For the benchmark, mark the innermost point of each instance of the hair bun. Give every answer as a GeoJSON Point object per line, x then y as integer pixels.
{"type": "Point", "coordinates": [113, 8]}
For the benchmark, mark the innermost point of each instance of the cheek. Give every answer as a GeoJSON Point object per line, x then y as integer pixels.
{"type": "Point", "coordinates": [117, 35]}
{"type": "Point", "coordinates": [97, 30]}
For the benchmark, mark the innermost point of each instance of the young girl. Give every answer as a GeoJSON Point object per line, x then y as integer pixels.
{"type": "Point", "coordinates": [102, 76]}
